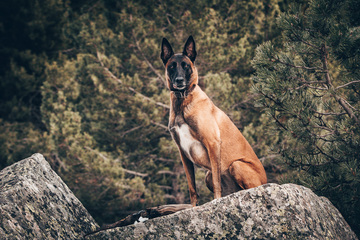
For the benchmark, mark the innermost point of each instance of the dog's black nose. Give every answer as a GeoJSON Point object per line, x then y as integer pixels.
{"type": "Point", "coordinates": [179, 80]}
{"type": "Point", "coordinates": [179, 83]}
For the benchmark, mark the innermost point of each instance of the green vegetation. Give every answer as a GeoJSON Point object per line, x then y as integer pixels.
{"type": "Point", "coordinates": [310, 86]}
{"type": "Point", "coordinates": [83, 84]}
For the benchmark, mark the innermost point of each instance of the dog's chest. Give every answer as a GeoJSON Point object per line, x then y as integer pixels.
{"type": "Point", "coordinates": [191, 147]}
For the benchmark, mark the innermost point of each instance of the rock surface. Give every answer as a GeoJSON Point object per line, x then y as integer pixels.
{"type": "Point", "coordinates": [270, 211]}
{"type": "Point", "coordinates": [36, 204]}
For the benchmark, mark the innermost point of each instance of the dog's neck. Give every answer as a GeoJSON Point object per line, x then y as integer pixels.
{"type": "Point", "coordinates": [184, 93]}
{"type": "Point", "coordinates": [181, 94]}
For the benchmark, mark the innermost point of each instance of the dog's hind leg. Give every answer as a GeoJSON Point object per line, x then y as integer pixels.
{"type": "Point", "coordinates": [209, 181]}
{"type": "Point", "coordinates": [245, 175]}
{"type": "Point", "coordinates": [228, 184]}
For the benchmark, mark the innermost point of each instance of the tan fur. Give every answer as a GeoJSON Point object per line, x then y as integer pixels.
{"type": "Point", "coordinates": [206, 136]}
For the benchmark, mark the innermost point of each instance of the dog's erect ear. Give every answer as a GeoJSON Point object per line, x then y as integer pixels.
{"type": "Point", "coordinates": [166, 51]}
{"type": "Point", "coordinates": [189, 49]}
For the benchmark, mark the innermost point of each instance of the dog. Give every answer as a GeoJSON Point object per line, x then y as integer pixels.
{"type": "Point", "coordinates": [204, 134]}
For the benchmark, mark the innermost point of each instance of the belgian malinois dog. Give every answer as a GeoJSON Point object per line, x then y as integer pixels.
{"type": "Point", "coordinates": [204, 134]}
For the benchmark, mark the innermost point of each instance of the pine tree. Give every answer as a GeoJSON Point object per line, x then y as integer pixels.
{"type": "Point", "coordinates": [85, 86]}
{"type": "Point", "coordinates": [106, 107]}
{"type": "Point", "coordinates": [31, 35]}
{"type": "Point", "coordinates": [310, 87]}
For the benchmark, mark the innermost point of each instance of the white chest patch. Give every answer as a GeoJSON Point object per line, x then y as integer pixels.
{"type": "Point", "coordinates": [192, 148]}
{"type": "Point", "coordinates": [186, 139]}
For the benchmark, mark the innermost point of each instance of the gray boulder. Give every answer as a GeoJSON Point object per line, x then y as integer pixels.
{"type": "Point", "coordinates": [270, 211]}
{"type": "Point", "coordinates": [36, 204]}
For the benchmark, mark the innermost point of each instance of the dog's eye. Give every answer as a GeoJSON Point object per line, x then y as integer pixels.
{"type": "Point", "coordinates": [184, 65]}
{"type": "Point", "coordinates": [172, 66]}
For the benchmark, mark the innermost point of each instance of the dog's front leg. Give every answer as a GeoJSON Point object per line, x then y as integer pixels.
{"type": "Point", "coordinates": [214, 156]}
{"type": "Point", "coordinates": [190, 176]}
{"type": "Point", "coordinates": [210, 136]}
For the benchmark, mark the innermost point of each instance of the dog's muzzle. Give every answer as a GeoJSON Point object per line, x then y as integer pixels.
{"type": "Point", "coordinates": [179, 84]}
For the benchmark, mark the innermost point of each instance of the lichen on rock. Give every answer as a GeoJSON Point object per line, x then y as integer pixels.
{"type": "Point", "coordinates": [270, 211]}
{"type": "Point", "coordinates": [36, 204]}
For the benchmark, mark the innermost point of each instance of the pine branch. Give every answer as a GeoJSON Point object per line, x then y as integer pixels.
{"type": "Point", "coordinates": [350, 105]}
{"type": "Point", "coordinates": [327, 155]}
{"type": "Point", "coordinates": [305, 42]}
{"type": "Point", "coordinates": [278, 122]}
{"type": "Point", "coordinates": [149, 99]}
{"type": "Point", "coordinates": [146, 60]}
{"type": "Point", "coordinates": [273, 156]}
{"type": "Point", "coordinates": [347, 84]}
{"type": "Point", "coordinates": [99, 56]}
{"type": "Point", "coordinates": [347, 107]}
{"type": "Point", "coordinates": [166, 172]}
{"type": "Point", "coordinates": [131, 130]}
{"type": "Point", "coordinates": [316, 88]}
{"type": "Point", "coordinates": [107, 159]}
{"type": "Point", "coordinates": [310, 82]}
{"type": "Point", "coordinates": [323, 137]}
{"type": "Point", "coordinates": [277, 60]}
{"type": "Point", "coordinates": [159, 125]}
{"type": "Point", "coordinates": [161, 159]}
{"type": "Point", "coordinates": [343, 103]}
{"type": "Point", "coordinates": [135, 173]}
{"type": "Point", "coordinates": [330, 114]}
{"type": "Point", "coordinates": [323, 127]}
{"type": "Point", "coordinates": [129, 88]}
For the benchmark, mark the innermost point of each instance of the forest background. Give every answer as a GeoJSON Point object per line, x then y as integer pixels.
{"type": "Point", "coordinates": [82, 83]}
